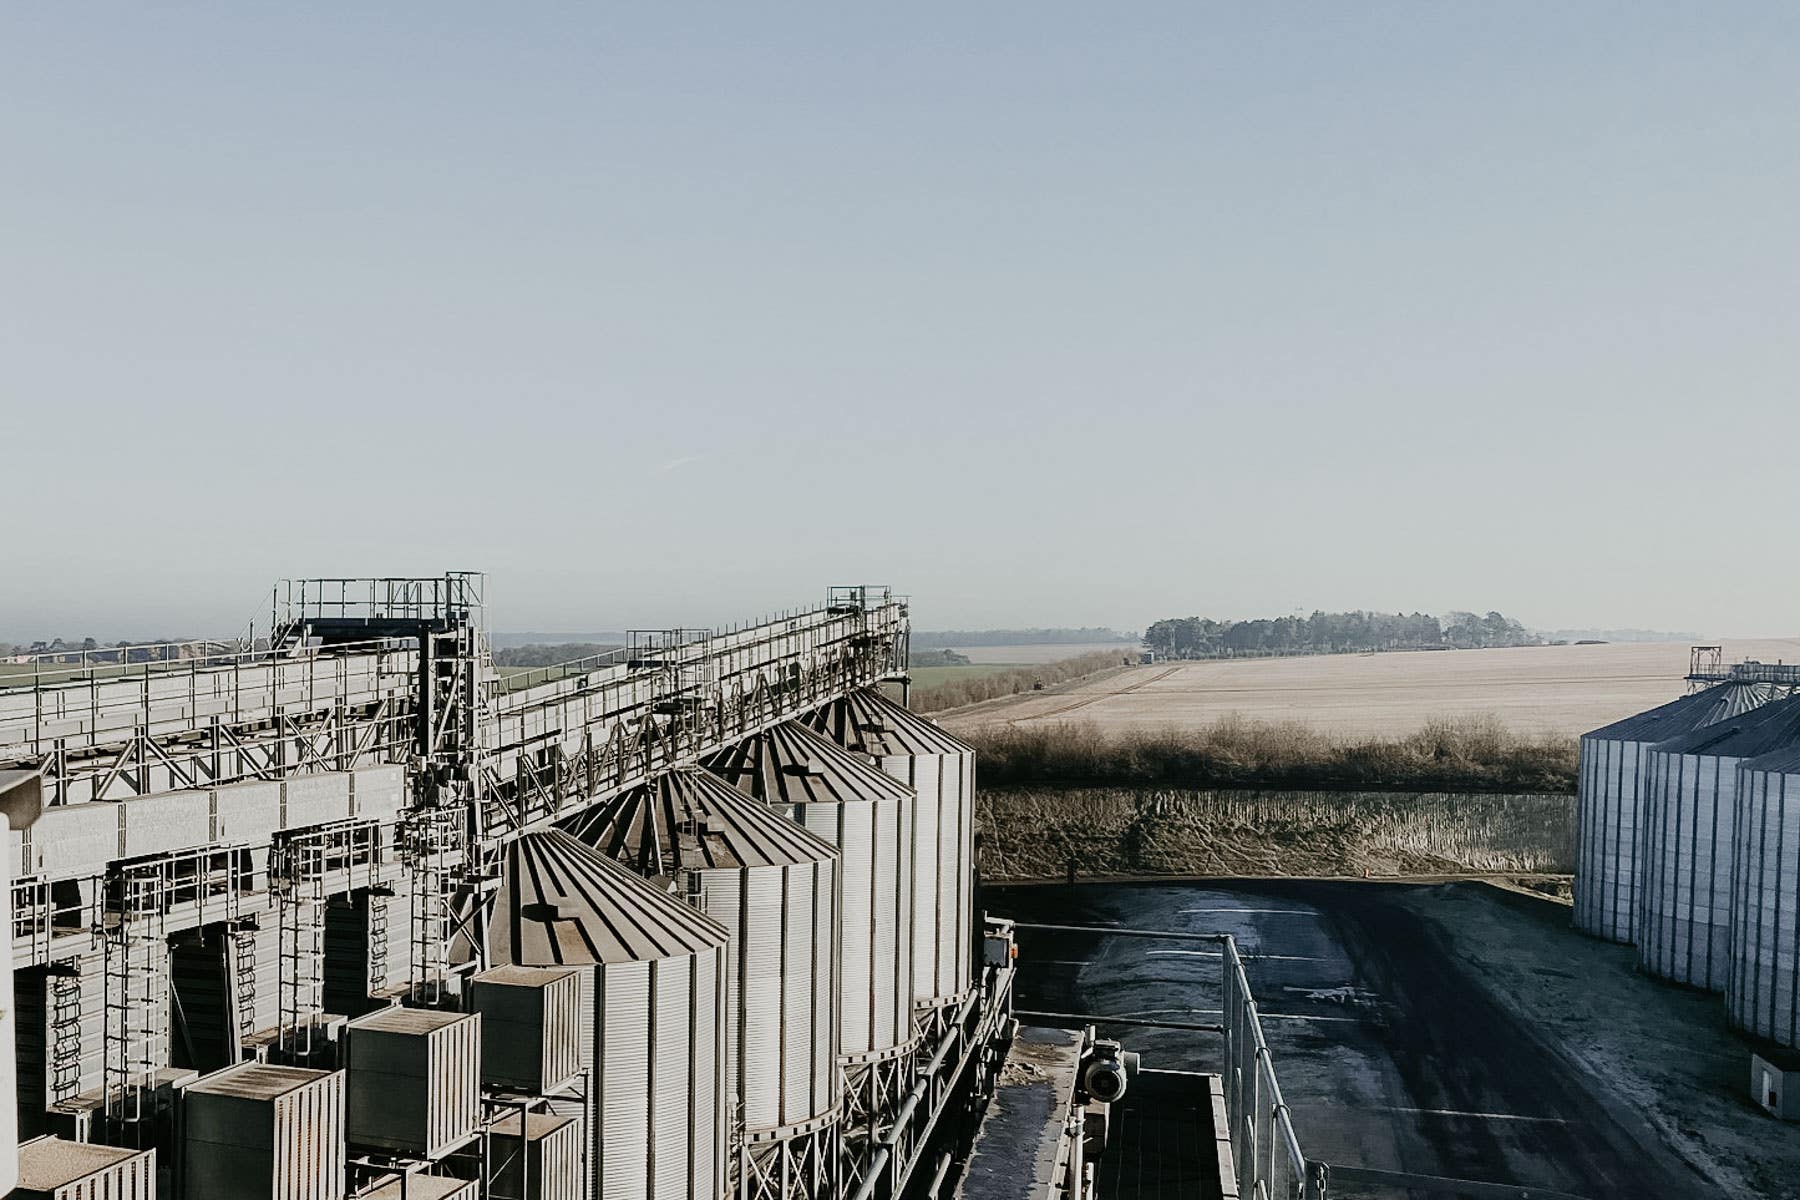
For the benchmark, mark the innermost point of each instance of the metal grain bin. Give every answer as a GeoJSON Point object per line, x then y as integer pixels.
{"type": "Point", "coordinates": [1610, 784]}
{"type": "Point", "coordinates": [653, 1026]}
{"type": "Point", "coordinates": [529, 1036]}
{"type": "Point", "coordinates": [1762, 988]}
{"type": "Point", "coordinates": [256, 1130]}
{"type": "Point", "coordinates": [413, 1077]}
{"type": "Point", "coordinates": [1690, 810]}
{"type": "Point", "coordinates": [544, 1165]}
{"type": "Point", "coordinates": [773, 885]}
{"type": "Point", "coordinates": [868, 816]}
{"type": "Point", "coordinates": [53, 1169]}
{"type": "Point", "coordinates": [940, 769]}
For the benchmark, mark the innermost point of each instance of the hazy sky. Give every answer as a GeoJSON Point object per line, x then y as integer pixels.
{"type": "Point", "coordinates": [1046, 313]}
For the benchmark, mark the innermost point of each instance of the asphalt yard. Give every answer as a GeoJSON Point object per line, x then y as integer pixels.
{"type": "Point", "coordinates": [1390, 1051]}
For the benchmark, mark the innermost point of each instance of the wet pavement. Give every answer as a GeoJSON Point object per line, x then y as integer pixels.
{"type": "Point", "coordinates": [1389, 1053]}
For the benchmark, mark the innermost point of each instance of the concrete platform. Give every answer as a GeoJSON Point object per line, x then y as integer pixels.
{"type": "Point", "coordinates": [1023, 1145]}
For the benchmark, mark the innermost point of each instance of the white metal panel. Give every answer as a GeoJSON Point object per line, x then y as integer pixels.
{"type": "Point", "coordinates": [672, 984]}
{"type": "Point", "coordinates": [891, 997]}
{"type": "Point", "coordinates": [708, 1151]}
{"type": "Point", "coordinates": [724, 904]}
{"type": "Point", "coordinates": [171, 821]}
{"type": "Point", "coordinates": [247, 813]}
{"type": "Point", "coordinates": [624, 1058]}
{"type": "Point", "coordinates": [1764, 980]}
{"type": "Point", "coordinates": [928, 879]}
{"type": "Point", "coordinates": [380, 791]}
{"type": "Point", "coordinates": [316, 799]}
{"type": "Point", "coordinates": [827, 905]}
{"type": "Point", "coordinates": [798, 965]}
{"type": "Point", "coordinates": [761, 1001]}
{"type": "Point", "coordinates": [1685, 907]}
{"type": "Point", "coordinates": [75, 839]}
{"type": "Point", "coordinates": [851, 828]}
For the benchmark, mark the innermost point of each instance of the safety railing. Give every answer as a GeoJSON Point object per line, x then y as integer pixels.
{"type": "Point", "coordinates": [1269, 1160]}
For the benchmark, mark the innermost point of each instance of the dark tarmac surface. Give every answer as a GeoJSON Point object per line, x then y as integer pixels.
{"type": "Point", "coordinates": [1389, 1054]}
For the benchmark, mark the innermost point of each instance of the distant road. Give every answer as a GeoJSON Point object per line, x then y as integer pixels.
{"type": "Point", "coordinates": [1559, 690]}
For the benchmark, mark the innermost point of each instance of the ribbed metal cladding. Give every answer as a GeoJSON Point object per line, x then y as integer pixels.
{"type": "Point", "coordinates": [868, 816]}
{"type": "Point", "coordinates": [941, 771]}
{"type": "Point", "coordinates": [1614, 771]}
{"type": "Point", "coordinates": [772, 884]}
{"type": "Point", "coordinates": [1762, 989]}
{"type": "Point", "coordinates": [1688, 842]}
{"type": "Point", "coordinates": [653, 1012]}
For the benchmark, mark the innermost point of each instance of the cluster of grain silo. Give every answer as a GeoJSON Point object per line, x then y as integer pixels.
{"type": "Point", "coordinates": [1689, 848]}
{"type": "Point", "coordinates": [1613, 777]}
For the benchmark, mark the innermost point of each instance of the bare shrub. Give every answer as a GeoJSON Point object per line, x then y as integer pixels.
{"type": "Point", "coordinates": [1472, 755]}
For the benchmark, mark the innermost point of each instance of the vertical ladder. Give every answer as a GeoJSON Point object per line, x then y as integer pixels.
{"type": "Point", "coordinates": [300, 986]}
{"type": "Point", "coordinates": [377, 927]}
{"type": "Point", "coordinates": [136, 994]}
{"type": "Point", "coordinates": [433, 837]}
{"type": "Point", "coordinates": [243, 954]}
{"type": "Point", "coordinates": [65, 1033]}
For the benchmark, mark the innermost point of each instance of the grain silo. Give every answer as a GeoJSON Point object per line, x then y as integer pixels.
{"type": "Point", "coordinates": [1762, 988]}
{"type": "Point", "coordinates": [1689, 814]}
{"type": "Point", "coordinates": [1614, 770]}
{"type": "Point", "coordinates": [773, 885]}
{"type": "Point", "coordinates": [653, 1025]}
{"type": "Point", "coordinates": [941, 770]}
{"type": "Point", "coordinates": [869, 817]}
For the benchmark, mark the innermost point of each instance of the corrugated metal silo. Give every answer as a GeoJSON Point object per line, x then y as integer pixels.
{"type": "Point", "coordinates": [1762, 988]}
{"type": "Point", "coordinates": [653, 1027]}
{"type": "Point", "coordinates": [1689, 814]}
{"type": "Point", "coordinates": [941, 770]}
{"type": "Point", "coordinates": [869, 817]}
{"type": "Point", "coordinates": [1614, 770]}
{"type": "Point", "coordinates": [773, 885]}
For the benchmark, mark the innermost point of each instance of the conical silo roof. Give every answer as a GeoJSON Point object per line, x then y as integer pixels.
{"type": "Point", "coordinates": [1765, 730]}
{"type": "Point", "coordinates": [564, 904]}
{"type": "Point", "coordinates": [869, 723]}
{"type": "Point", "coordinates": [790, 764]}
{"type": "Point", "coordinates": [1697, 710]}
{"type": "Point", "coordinates": [690, 819]}
{"type": "Point", "coordinates": [1778, 762]}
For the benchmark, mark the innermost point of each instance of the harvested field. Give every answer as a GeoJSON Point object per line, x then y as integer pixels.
{"type": "Point", "coordinates": [1532, 690]}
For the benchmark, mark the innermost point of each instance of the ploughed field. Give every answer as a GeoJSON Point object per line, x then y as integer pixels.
{"type": "Point", "coordinates": [1532, 690]}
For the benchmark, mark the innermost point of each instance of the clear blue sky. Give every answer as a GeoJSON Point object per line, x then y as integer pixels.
{"type": "Point", "coordinates": [1045, 313]}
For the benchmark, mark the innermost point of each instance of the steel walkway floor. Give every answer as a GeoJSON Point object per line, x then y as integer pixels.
{"type": "Point", "coordinates": [1165, 1142]}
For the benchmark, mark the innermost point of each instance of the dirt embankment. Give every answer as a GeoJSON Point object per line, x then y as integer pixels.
{"type": "Point", "coordinates": [1033, 833]}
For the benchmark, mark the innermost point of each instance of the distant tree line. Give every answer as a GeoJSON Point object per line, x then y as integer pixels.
{"type": "Point", "coordinates": [936, 658]}
{"type": "Point", "coordinates": [1334, 633]}
{"type": "Point", "coordinates": [956, 639]}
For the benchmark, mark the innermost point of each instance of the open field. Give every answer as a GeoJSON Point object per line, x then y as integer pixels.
{"type": "Point", "coordinates": [1042, 652]}
{"type": "Point", "coordinates": [1532, 690]}
{"type": "Point", "coordinates": [930, 677]}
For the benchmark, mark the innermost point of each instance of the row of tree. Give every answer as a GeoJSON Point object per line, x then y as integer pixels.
{"type": "Point", "coordinates": [1334, 633]}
